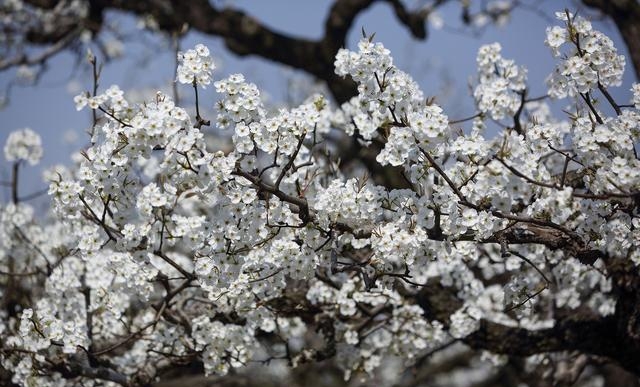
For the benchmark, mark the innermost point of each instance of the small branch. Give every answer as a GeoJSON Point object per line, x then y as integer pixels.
{"type": "Point", "coordinates": [542, 97]}
{"type": "Point", "coordinates": [564, 170]}
{"type": "Point", "coordinates": [527, 260]}
{"type": "Point", "coordinates": [529, 297]}
{"type": "Point", "coordinates": [289, 164]}
{"type": "Point", "coordinates": [37, 248]}
{"type": "Point", "coordinates": [124, 124]}
{"type": "Point", "coordinates": [174, 84]}
{"type": "Point", "coordinates": [301, 203]}
{"type": "Point", "coordinates": [587, 99]}
{"type": "Point", "coordinates": [609, 98]}
{"type": "Point", "coordinates": [516, 117]}
{"type": "Point", "coordinates": [14, 182]}
{"type": "Point", "coordinates": [480, 114]}
{"type": "Point", "coordinates": [175, 265]}
{"type": "Point", "coordinates": [441, 172]}
{"type": "Point", "coordinates": [199, 120]}
{"type": "Point", "coordinates": [42, 57]}
{"type": "Point", "coordinates": [34, 195]}
{"type": "Point", "coordinates": [96, 76]}
{"type": "Point", "coordinates": [523, 176]}
{"type": "Point", "coordinates": [132, 335]}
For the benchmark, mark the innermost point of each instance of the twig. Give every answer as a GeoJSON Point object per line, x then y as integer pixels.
{"type": "Point", "coordinates": [199, 120]}
{"type": "Point", "coordinates": [14, 183]}
{"type": "Point", "coordinates": [479, 114]}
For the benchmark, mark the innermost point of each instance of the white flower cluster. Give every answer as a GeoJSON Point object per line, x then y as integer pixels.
{"type": "Point", "coordinates": [350, 202]}
{"type": "Point", "coordinates": [195, 66]}
{"type": "Point", "coordinates": [241, 101]}
{"type": "Point", "coordinates": [391, 99]}
{"type": "Point", "coordinates": [113, 95]}
{"type": "Point", "coordinates": [223, 345]}
{"type": "Point", "coordinates": [396, 246]}
{"type": "Point", "coordinates": [24, 145]}
{"type": "Point", "coordinates": [405, 333]}
{"type": "Point", "coordinates": [165, 250]}
{"type": "Point", "coordinates": [577, 284]}
{"type": "Point", "coordinates": [367, 66]}
{"type": "Point", "coordinates": [609, 147]}
{"type": "Point", "coordinates": [593, 61]}
{"type": "Point", "coordinates": [353, 117]}
{"type": "Point", "coordinates": [428, 127]}
{"type": "Point", "coordinates": [465, 321]}
{"type": "Point", "coordinates": [501, 83]}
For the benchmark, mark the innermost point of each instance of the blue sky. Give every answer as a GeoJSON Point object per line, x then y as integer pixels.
{"type": "Point", "coordinates": [442, 65]}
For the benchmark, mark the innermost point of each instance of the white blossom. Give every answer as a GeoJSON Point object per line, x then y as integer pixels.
{"type": "Point", "coordinates": [24, 144]}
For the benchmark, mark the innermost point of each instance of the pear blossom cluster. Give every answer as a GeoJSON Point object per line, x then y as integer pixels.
{"type": "Point", "coordinates": [350, 202]}
{"type": "Point", "coordinates": [501, 83]}
{"type": "Point", "coordinates": [220, 340]}
{"type": "Point", "coordinates": [242, 102]}
{"type": "Point", "coordinates": [23, 145]}
{"type": "Point", "coordinates": [389, 98]}
{"type": "Point", "coordinates": [592, 59]}
{"type": "Point", "coordinates": [113, 95]}
{"type": "Point", "coordinates": [164, 249]}
{"type": "Point", "coordinates": [195, 66]}
{"type": "Point", "coordinates": [405, 333]}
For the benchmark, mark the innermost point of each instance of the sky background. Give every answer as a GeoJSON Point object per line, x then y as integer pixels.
{"type": "Point", "coordinates": [443, 65]}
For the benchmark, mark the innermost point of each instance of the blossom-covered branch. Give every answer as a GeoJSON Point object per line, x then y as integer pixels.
{"type": "Point", "coordinates": [163, 250]}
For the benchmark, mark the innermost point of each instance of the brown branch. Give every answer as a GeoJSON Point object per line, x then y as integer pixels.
{"type": "Point", "coordinates": [15, 172]}
{"type": "Point", "coordinates": [573, 331]}
{"type": "Point", "coordinates": [77, 366]}
{"type": "Point", "coordinates": [517, 125]}
{"type": "Point", "coordinates": [587, 99]}
{"type": "Point", "coordinates": [44, 55]}
{"type": "Point", "coordinates": [595, 336]}
{"type": "Point", "coordinates": [289, 164]}
{"type": "Point", "coordinates": [245, 35]}
{"type": "Point", "coordinates": [466, 118]}
{"type": "Point", "coordinates": [199, 120]}
{"type": "Point", "coordinates": [110, 114]}
{"type": "Point", "coordinates": [299, 202]}
{"type": "Point", "coordinates": [525, 177]}
{"type": "Point", "coordinates": [174, 264]}
{"type": "Point", "coordinates": [527, 260]}
{"type": "Point", "coordinates": [344, 12]}
{"type": "Point", "coordinates": [443, 174]}
{"type": "Point", "coordinates": [609, 98]}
